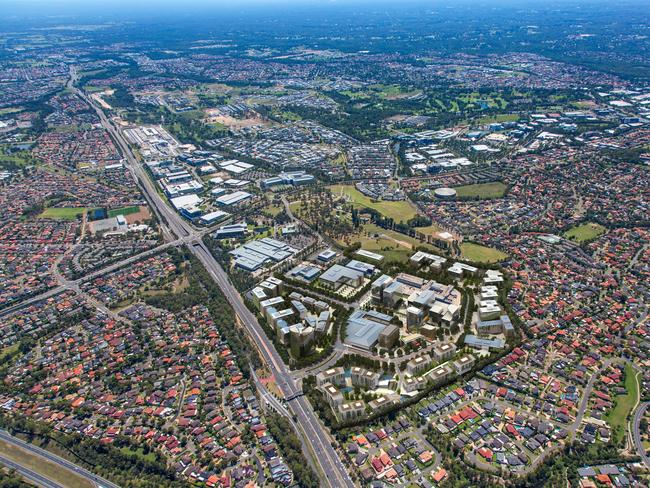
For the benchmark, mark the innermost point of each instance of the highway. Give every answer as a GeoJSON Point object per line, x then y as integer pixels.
{"type": "Point", "coordinates": [636, 433]}
{"type": "Point", "coordinates": [314, 434]}
{"type": "Point", "coordinates": [53, 458]}
{"type": "Point", "coordinates": [29, 475]}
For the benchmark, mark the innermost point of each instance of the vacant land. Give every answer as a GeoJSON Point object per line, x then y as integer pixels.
{"type": "Point", "coordinates": [482, 190]}
{"type": "Point", "coordinates": [481, 254]}
{"type": "Point", "coordinates": [63, 213]}
{"type": "Point", "coordinates": [36, 463]}
{"type": "Point", "coordinates": [585, 232]}
{"type": "Point", "coordinates": [617, 416]}
{"type": "Point", "coordinates": [398, 211]}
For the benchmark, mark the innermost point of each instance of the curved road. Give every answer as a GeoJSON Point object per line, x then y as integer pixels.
{"type": "Point", "coordinates": [636, 433]}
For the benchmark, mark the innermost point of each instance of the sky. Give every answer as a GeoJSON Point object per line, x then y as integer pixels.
{"type": "Point", "coordinates": [105, 10]}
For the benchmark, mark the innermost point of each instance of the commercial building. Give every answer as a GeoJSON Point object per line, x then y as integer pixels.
{"type": "Point", "coordinates": [483, 343]}
{"type": "Point", "coordinates": [414, 317]}
{"type": "Point", "coordinates": [501, 325]}
{"type": "Point", "coordinates": [338, 275]}
{"type": "Point", "coordinates": [461, 269]}
{"type": "Point", "coordinates": [326, 256]}
{"type": "Point", "coordinates": [300, 339]}
{"type": "Point", "coordinates": [185, 201]}
{"type": "Point", "coordinates": [364, 328]}
{"type": "Point", "coordinates": [233, 198]}
{"type": "Point", "coordinates": [305, 272]}
{"type": "Point", "coordinates": [235, 167]}
{"type": "Point", "coordinates": [233, 231]}
{"type": "Point", "coordinates": [489, 310]}
{"type": "Point", "coordinates": [252, 255]}
{"type": "Point", "coordinates": [389, 336]}
{"type": "Point", "coordinates": [295, 178]}
{"type": "Point", "coordinates": [272, 286]}
{"type": "Point", "coordinates": [213, 217]}
{"type": "Point", "coordinates": [373, 256]}
{"type": "Point", "coordinates": [434, 261]}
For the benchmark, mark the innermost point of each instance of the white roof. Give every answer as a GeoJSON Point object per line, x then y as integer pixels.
{"type": "Point", "coordinates": [186, 201]}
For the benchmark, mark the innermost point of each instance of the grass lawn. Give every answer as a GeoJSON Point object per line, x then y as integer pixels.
{"type": "Point", "coordinates": [50, 470]}
{"type": "Point", "coordinates": [150, 456]}
{"type": "Point", "coordinates": [19, 158]}
{"type": "Point", "coordinates": [498, 118]}
{"type": "Point", "coordinates": [63, 213]}
{"type": "Point", "coordinates": [95, 89]}
{"type": "Point", "coordinates": [10, 110]}
{"type": "Point", "coordinates": [495, 189]}
{"type": "Point", "coordinates": [617, 416]}
{"type": "Point", "coordinates": [585, 232]}
{"type": "Point", "coordinates": [8, 351]}
{"type": "Point", "coordinates": [179, 285]}
{"type": "Point", "coordinates": [429, 229]}
{"type": "Point", "coordinates": [480, 254]}
{"type": "Point", "coordinates": [123, 211]}
{"type": "Point", "coordinates": [398, 211]}
{"type": "Point", "coordinates": [274, 210]}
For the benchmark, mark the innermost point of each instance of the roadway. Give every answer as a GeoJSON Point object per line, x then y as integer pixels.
{"type": "Point", "coordinates": [75, 284]}
{"type": "Point", "coordinates": [587, 393]}
{"type": "Point", "coordinates": [314, 434]}
{"type": "Point", "coordinates": [29, 475]}
{"type": "Point", "coordinates": [59, 461]}
{"type": "Point", "coordinates": [636, 433]}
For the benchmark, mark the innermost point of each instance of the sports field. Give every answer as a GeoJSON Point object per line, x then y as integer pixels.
{"type": "Point", "coordinates": [63, 213]}
{"type": "Point", "coordinates": [398, 211]}
{"type": "Point", "coordinates": [123, 211]}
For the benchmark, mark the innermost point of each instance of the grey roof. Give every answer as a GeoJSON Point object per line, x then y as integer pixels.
{"type": "Point", "coordinates": [362, 331]}
{"type": "Point", "coordinates": [473, 341]}
{"type": "Point", "coordinates": [361, 266]}
{"type": "Point", "coordinates": [337, 273]}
